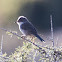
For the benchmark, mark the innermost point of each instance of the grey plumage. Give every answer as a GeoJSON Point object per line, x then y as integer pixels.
{"type": "Point", "coordinates": [27, 28]}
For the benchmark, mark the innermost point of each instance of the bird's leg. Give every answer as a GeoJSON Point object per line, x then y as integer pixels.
{"type": "Point", "coordinates": [33, 39]}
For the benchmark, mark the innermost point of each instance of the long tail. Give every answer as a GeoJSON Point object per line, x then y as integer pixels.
{"type": "Point", "coordinates": [39, 38]}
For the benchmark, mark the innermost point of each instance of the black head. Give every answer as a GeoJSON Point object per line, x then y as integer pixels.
{"type": "Point", "coordinates": [21, 19]}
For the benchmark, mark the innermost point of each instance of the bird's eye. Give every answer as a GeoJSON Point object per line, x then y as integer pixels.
{"type": "Point", "coordinates": [20, 20]}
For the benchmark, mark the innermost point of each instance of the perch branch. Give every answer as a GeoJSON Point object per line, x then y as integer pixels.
{"type": "Point", "coordinates": [26, 39]}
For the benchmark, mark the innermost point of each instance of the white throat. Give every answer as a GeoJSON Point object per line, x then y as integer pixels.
{"type": "Point", "coordinates": [21, 28]}
{"type": "Point", "coordinates": [20, 23]}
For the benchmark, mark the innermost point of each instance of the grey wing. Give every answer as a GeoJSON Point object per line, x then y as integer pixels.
{"type": "Point", "coordinates": [29, 27]}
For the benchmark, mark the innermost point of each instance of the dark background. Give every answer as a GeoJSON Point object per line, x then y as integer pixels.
{"type": "Point", "coordinates": [39, 13]}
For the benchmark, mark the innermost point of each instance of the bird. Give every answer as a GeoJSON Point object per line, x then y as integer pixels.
{"type": "Point", "coordinates": [27, 28]}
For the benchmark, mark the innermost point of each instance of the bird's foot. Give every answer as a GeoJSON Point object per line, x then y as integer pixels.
{"type": "Point", "coordinates": [23, 36]}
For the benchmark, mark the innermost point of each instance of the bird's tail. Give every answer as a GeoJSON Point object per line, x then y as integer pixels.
{"type": "Point", "coordinates": [39, 38]}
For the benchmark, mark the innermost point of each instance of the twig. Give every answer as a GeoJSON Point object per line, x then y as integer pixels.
{"type": "Point", "coordinates": [34, 56]}
{"type": "Point", "coordinates": [10, 32]}
{"type": "Point", "coordinates": [52, 30]}
{"type": "Point", "coordinates": [26, 39]}
{"type": "Point", "coordinates": [1, 45]}
{"type": "Point", "coordinates": [52, 35]}
{"type": "Point", "coordinates": [20, 37]}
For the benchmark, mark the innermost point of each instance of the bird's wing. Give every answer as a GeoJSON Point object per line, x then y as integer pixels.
{"type": "Point", "coordinates": [29, 27]}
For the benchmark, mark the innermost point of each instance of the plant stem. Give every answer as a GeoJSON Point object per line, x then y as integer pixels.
{"type": "Point", "coordinates": [52, 37]}
{"type": "Point", "coordinates": [1, 44]}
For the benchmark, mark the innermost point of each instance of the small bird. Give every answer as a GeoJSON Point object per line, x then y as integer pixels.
{"type": "Point", "coordinates": [27, 28]}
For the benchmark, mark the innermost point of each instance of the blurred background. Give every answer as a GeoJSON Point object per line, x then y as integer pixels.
{"type": "Point", "coordinates": [38, 13]}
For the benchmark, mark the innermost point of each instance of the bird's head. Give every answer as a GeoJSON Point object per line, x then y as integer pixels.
{"type": "Point", "coordinates": [21, 19]}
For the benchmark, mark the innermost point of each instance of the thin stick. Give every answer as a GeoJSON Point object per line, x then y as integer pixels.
{"type": "Point", "coordinates": [1, 45]}
{"type": "Point", "coordinates": [52, 30]}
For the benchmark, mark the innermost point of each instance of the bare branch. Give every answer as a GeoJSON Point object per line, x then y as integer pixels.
{"type": "Point", "coordinates": [1, 45]}
{"type": "Point", "coordinates": [26, 39]}
{"type": "Point", "coordinates": [52, 37]}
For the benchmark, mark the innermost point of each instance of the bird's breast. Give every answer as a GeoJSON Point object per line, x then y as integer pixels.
{"type": "Point", "coordinates": [22, 30]}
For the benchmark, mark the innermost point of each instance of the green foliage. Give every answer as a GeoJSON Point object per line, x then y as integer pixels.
{"type": "Point", "coordinates": [30, 53]}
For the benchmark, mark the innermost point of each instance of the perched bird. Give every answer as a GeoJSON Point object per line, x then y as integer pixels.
{"type": "Point", "coordinates": [26, 27]}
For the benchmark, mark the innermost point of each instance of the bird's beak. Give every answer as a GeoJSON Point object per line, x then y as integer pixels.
{"type": "Point", "coordinates": [15, 22]}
